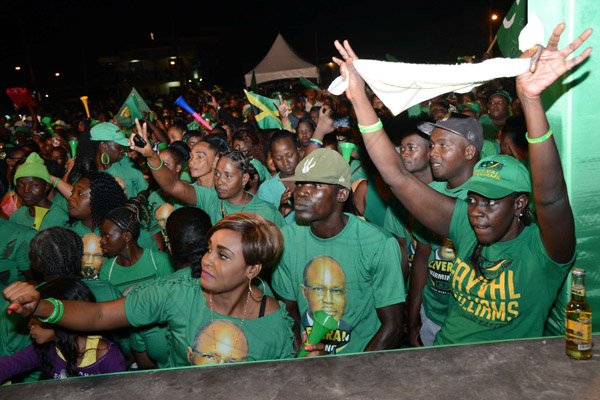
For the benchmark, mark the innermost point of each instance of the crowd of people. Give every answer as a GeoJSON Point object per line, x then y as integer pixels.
{"type": "Point", "coordinates": [446, 224]}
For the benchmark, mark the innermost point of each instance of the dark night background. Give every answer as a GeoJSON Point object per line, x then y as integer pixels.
{"type": "Point", "coordinates": [69, 35]}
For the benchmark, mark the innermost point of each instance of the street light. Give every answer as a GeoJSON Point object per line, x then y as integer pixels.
{"type": "Point", "coordinates": [17, 68]}
{"type": "Point", "coordinates": [493, 18]}
{"type": "Point", "coordinates": [57, 74]}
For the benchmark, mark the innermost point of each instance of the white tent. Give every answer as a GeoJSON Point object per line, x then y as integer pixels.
{"type": "Point", "coordinates": [281, 62]}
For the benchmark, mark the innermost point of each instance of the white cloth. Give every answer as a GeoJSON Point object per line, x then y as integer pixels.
{"type": "Point", "coordinates": [402, 85]}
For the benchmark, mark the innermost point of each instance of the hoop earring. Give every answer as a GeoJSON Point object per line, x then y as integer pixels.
{"type": "Point", "coordinates": [252, 293]}
{"type": "Point", "coordinates": [104, 158]}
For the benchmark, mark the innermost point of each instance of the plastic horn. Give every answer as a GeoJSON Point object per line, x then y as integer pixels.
{"type": "Point", "coordinates": [84, 100]}
{"type": "Point", "coordinates": [73, 145]}
{"type": "Point", "coordinates": [183, 104]}
{"type": "Point", "coordinates": [47, 122]}
{"type": "Point", "coordinates": [346, 148]}
{"type": "Point", "coordinates": [322, 324]}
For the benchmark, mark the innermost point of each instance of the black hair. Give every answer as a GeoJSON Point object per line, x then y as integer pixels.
{"type": "Point", "coordinates": [59, 249]}
{"type": "Point", "coordinates": [192, 133]}
{"type": "Point", "coordinates": [186, 229]}
{"type": "Point", "coordinates": [514, 129]}
{"type": "Point", "coordinates": [216, 143]}
{"type": "Point", "coordinates": [282, 134]}
{"type": "Point", "coordinates": [240, 159]}
{"type": "Point", "coordinates": [132, 216]}
{"type": "Point", "coordinates": [85, 162]}
{"type": "Point", "coordinates": [63, 288]}
{"type": "Point", "coordinates": [309, 121]}
{"type": "Point", "coordinates": [105, 195]}
{"type": "Point", "coordinates": [180, 151]}
{"type": "Point", "coordinates": [179, 124]}
{"type": "Point", "coordinates": [54, 168]}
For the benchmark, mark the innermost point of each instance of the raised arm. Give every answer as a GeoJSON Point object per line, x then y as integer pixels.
{"type": "Point", "coordinates": [553, 209]}
{"type": "Point", "coordinates": [78, 315]}
{"type": "Point", "coordinates": [433, 209]}
{"type": "Point", "coordinates": [166, 179]}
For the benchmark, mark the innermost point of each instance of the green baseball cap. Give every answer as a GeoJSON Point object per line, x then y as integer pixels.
{"type": "Point", "coordinates": [498, 176]}
{"type": "Point", "coordinates": [323, 166]}
{"type": "Point", "coordinates": [33, 167]}
{"type": "Point", "coordinates": [471, 105]}
{"type": "Point", "coordinates": [108, 132]}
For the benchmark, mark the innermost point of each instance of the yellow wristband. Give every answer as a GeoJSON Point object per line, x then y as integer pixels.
{"type": "Point", "coordinates": [540, 139]}
{"type": "Point", "coordinates": [370, 128]}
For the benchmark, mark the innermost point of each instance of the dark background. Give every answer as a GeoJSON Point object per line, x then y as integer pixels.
{"type": "Point", "coordinates": [69, 36]}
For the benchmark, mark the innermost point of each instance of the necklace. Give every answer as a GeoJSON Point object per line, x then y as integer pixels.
{"type": "Point", "coordinates": [224, 214]}
{"type": "Point", "coordinates": [212, 319]}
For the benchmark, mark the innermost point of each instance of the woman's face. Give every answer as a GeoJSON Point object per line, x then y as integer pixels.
{"type": "Point", "coordinates": [493, 220]}
{"type": "Point", "coordinates": [32, 190]}
{"type": "Point", "coordinates": [285, 156]}
{"type": "Point", "coordinates": [113, 239]}
{"type": "Point", "coordinates": [79, 203]}
{"type": "Point", "coordinates": [40, 332]}
{"type": "Point", "coordinates": [202, 160]}
{"type": "Point", "coordinates": [11, 161]}
{"type": "Point", "coordinates": [114, 150]}
{"type": "Point", "coordinates": [304, 133]}
{"type": "Point", "coordinates": [223, 265]}
{"type": "Point", "coordinates": [229, 179]}
{"type": "Point", "coordinates": [170, 162]}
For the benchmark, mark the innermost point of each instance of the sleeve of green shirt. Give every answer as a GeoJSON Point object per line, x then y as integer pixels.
{"type": "Point", "coordinates": [281, 280]}
{"type": "Point", "coordinates": [388, 283]}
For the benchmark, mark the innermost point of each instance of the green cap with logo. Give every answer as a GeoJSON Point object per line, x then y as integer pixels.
{"type": "Point", "coordinates": [323, 166]}
{"type": "Point", "coordinates": [108, 132]}
{"type": "Point", "coordinates": [498, 176]}
{"type": "Point", "coordinates": [33, 167]}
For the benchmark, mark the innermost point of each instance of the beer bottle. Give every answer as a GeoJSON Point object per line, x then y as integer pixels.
{"type": "Point", "coordinates": [578, 320]}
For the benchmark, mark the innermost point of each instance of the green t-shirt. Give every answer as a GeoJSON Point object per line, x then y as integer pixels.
{"type": "Point", "coordinates": [437, 290]}
{"type": "Point", "coordinates": [514, 302]}
{"type": "Point", "coordinates": [145, 240]}
{"type": "Point", "coordinates": [271, 191]}
{"type": "Point", "coordinates": [55, 216]}
{"type": "Point", "coordinates": [402, 224]}
{"type": "Point", "coordinates": [14, 251]}
{"type": "Point", "coordinates": [353, 274]}
{"type": "Point", "coordinates": [178, 301]}
{"type": "Point", "coordinates": [133, 178]}
{"type": "Point", "coordinates": [375, 207]}
{"type": "Point", "coordinates": [208, 200]}
{"type": "Point", "coordinates": [103, 290]}
{"type": "Point", "coordinates": [60, 201]}
{"type": "Point", "coordinates": [357, 171]}
{"type": "Point", "coordinates": [151, 265]}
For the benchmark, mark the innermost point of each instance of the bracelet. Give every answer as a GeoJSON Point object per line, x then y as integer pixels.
{"type": "Point", "coordinates": [317, 142]}
{"type": "Point", "coordinates": [539, 139]}
{"type": "Point", "coordinates": [370, 128]}
{"type": "Point", "coordinates": [57, 313]}
{"type": "Point", "coordinates": [157, 168]}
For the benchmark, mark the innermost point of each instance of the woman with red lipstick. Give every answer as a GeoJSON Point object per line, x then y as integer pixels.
{"type": "Point", "coordinates": [222, 317]}
{"type": "Point", "coordinates": [507, 270]}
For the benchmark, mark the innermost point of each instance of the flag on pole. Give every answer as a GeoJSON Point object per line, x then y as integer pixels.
{"type": "Point", "coordinates": [308, 84]}
{"type": "Point", "coordinates": [253, 84]}
{"type": "Point", "coordinates": [265, 112]}
{"type": "Point", "coordinates": [133, 107]}
{"type": "Point", "coordinates": [512, 24]}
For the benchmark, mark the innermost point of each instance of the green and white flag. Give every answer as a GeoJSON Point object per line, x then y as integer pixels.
{"type": "Point", "coordinates": [133, 107]}
{"type": "Point", "coordinates": [512, 24]}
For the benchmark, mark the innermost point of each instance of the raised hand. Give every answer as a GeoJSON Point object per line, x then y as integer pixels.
{"type": "Point", "coordinates": [325, 124]}
{"type": "Point", "coordinates": [142, 130]}
{"type": "Point", "coordinates": [356, 84]}
{"type": "Point", "coordinates": [551, 63]}
{"type": "Point", "coordinates": [23, 298]}
{"type": "Point", "coordinates": [283, 107]}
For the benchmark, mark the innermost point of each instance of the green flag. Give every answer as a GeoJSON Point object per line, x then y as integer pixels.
{"type": "Point", "coordinates": [308, 84]}
{"type": "Point", "coordinates": [133, 107]}
{"type": "Point", "coordinates": [265, 112]}
{"type": "Point", "coordinates": [512, 24]}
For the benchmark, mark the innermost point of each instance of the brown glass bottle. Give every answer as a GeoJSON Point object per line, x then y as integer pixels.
{"type": "Point", "coordinates": [578, 322]}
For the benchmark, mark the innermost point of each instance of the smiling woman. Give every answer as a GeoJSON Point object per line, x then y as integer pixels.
{"type": "Point", "coordinates": [223, 316]}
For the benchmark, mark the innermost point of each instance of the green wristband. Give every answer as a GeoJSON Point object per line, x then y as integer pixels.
{"type": "Point", "coordinates": [370, 128]}
{"type": "Point", "coordinates": [540, 139]}
{"type": "Point", "coordinates": [57, 313]}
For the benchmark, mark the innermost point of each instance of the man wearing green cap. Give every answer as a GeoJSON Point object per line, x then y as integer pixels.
{"type": "Point", "coordinates": [110, 157]}
{"type": "Point", "coordinates": [33, 186]}
{"type": "Point", "coordinates": [368, 258]}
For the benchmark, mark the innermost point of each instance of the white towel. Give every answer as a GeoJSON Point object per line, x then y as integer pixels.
{"type": "Point", "coordinates": [402, 85]}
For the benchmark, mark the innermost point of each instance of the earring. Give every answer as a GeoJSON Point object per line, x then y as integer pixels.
{"type": "Point", "coordinates": [104, 158]}
{"type": "Point", "coordinates": [252, 293]}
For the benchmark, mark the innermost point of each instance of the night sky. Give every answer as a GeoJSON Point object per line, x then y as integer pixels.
{"type": "Point", "coordinates": [66, 35]}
